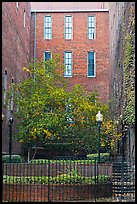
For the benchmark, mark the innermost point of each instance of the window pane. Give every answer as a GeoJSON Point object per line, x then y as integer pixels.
{"type": "Point", "coordinates": [68, 64]}
{"type": "Point", "coordinates": [68, 27]}
{"type": "Point", "coordinates": [91, 27]}
{"type": "Point", "coordinates": [47, 55]}
{"type": "Point", "coordinates": [47, 27]}
{"type": "Point", "coordinates": [91, 64]}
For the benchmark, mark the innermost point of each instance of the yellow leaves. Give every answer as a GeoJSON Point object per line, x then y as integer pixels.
{"type": "Point", "coordinates": [25, 69]}
{"type": "Point", "coordinates": [48, 134]}
{"type": "Point", "coordinates": [93, 118]}
{"type": "Point", "coordinates": [112, 142]}
{"type": "Point", "coordinates": [21, 141]}
{"type": "Point", "coordinates": [119, 135]}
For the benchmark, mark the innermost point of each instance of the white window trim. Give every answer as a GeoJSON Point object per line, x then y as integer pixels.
{"type": "Point", "coordinates": [44, 54]}
{"type": "Point", "coordinates": [65, 27]}
{"type": "Point", "coordinates": [71, 64]}
{"type": "Point", "coordinates": [5, 87]}
{"type": "Point", "coordinates": [94, 28]}
{"type": "Point", "coordinates": [12, 97]}
{"type": "Point", "coordinates": [24, 20]}
{"type": "Point", "coordinates": [17, 5]}
{"type": "Point", "coordinates": [44, 27]}
{"type": "Point", "coordinates": [94, 64]}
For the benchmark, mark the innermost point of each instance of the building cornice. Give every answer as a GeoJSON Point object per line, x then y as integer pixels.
{"type": "Point", "coordinates": [70, 11]}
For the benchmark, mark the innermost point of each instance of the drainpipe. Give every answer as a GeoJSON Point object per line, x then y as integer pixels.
{"type": "Point", "coordinates": [34, 44]}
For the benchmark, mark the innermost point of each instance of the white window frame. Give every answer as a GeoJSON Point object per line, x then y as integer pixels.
{"type": "Point", "coordinates": [71, 37]}
{"type": "Point", "coordinates": [12, 96]}
{"type": "Point", "coordinates": [90, 27]}
{"type": "Point", "coordinates": [5, 87]}
{"type": "Point", "coordinates": [94, 65]}
{"type": "Point", "coordinates": [47, 51]}
{"type": "Point", "coordinates": [49, 35]}
{"type": "Point", "coordinates": [24, 23]}
{"type": "Point", "coordinates": [17, 5]}
{"type": "Point", "coordinates": [65, 71]}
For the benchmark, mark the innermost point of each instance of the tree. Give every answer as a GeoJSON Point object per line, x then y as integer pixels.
{"type": "Point", "coordinates": [47, 110]}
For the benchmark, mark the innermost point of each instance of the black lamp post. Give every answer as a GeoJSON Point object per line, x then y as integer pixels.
{"type": "Point", "coordinates": [99, 118]}
{"type": "Point", "coordinates": [10, 136]}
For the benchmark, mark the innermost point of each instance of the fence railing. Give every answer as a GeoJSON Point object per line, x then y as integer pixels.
{"type": "Point", "coordinates": [123, 184]}
{"type": "Point", "coordinates": [57, 180]}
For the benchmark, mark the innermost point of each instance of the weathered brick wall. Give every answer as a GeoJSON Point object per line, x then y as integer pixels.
{"type": "Point", "coordinates": [55, 192]}
{"type": "Point", "coordinates": [122, 63]}
{"type": "Point", "coordinates": [15, 54]}
{"type": "Point", "coordinates": [79, 45]}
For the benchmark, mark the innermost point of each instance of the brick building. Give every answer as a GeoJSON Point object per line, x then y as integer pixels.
{"type": "Point", "coordinates": [15, 54]}
{"type": "Point", "coordinates": [122, 77]}
{"type": "Point", "coordinates": [78, 31]}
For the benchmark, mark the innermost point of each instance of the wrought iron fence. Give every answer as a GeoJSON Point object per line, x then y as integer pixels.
{"type": "Point", "coordinates": [57, 180]}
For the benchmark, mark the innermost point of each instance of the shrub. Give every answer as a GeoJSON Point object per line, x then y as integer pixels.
{"type": "Point", "coordinates": [14, 159]}
{"type": "Point", "coordinates": [62, 179]}
{"type": "Point", "coordinates": [62, 161]}
{"type": "Point", "coordinates": [104, 157]}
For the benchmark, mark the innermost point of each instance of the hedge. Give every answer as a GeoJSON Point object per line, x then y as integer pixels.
{"type": "Point", "coordinates": [62, 179]}
{"type": "Point", "coordinates": [104, 157]}
{"type": "Point", "coordinates": [14, 159]}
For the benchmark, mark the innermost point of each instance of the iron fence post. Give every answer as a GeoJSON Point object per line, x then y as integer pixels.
{"type": "Point", "coordinates": [49, 180]}
{"type": "Point", "coordinates": [99, 124]}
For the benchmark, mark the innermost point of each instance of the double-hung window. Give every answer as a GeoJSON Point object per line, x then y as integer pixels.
{"type": "Point", "coordinates": [68, 64]}
{"type": "Point", "coordinates": [5, 86]}
{"type": "Point", "coordinates": [47, 27]}
{"type": "Point", "coordinates": [91, 64]}
{"type": "Point", "coordinates": [91, 27]}
{"type": "Point", "coordinates": [24, 21]}
{"type": "Point", "coordinates": [47, 55]}
{"type": "Point", "coordinates": [68, 27]}
{"type": "Point", "coordinates": [17, 5]}
{"type": "Point", "coordinates": [12, 96]}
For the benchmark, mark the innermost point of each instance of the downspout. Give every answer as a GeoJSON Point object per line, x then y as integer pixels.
{"type": "Point", "coordinates": [34, 44]}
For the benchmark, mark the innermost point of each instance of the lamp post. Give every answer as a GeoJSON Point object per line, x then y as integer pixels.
{"type": "Point", "coordinates": [99, 118]}
{"type": "Point", "coordinates": [10, 136]}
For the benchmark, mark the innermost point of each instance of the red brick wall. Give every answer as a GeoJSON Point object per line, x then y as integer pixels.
{"type": "Point", "coordinates": [57, 192]}
{"type": "Point", "coordinates": [15, 54]}
{"type": "Point", "coordinates": [79, 45]}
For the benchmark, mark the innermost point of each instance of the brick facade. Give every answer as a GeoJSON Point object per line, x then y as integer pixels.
{"type": "Point", "coordinates": [18, 49]}
{"type": "Point", "coordinates": [79, 46]}
{"type": "Point", "coordinates": [15, 55]}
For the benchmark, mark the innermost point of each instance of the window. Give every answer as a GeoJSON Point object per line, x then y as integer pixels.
{"type": "Point", "coordinates": [17, 5]}
{"type": "Point", "coordinates": [5, 86]}
{"type": "Point", "coordinates": [68, 27]}
{"type": "Point", "coordinates": [91, 27]}
{"type": "Point", "coordinates": [47, 55]}
{"type": "Point", "coordinates": [91, 64]}
{"type": "Point", "coordinates": [12, 95]}
{"type": "Point", "coordinates": [69, 118]}
{"type": "Point", "coordinates": [24, 18]}
{"type": "Point", "coordinates": [47, 27]}
{"type": "Point", "coordinates": [68, 64]}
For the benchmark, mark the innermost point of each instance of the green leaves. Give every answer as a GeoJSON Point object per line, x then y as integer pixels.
{"type": "Point", "coordinates": [46, 109]}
